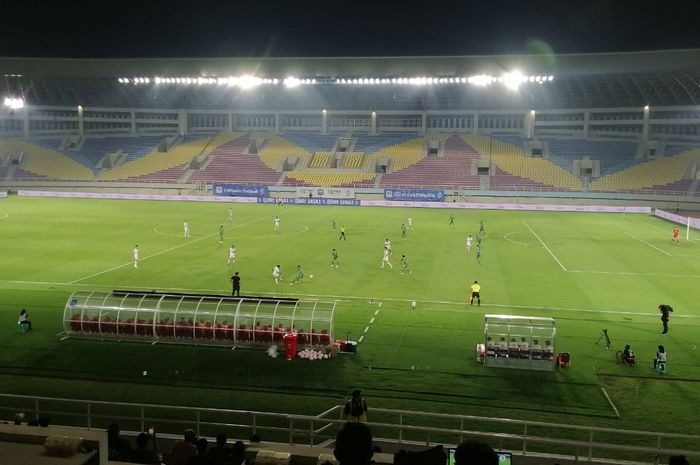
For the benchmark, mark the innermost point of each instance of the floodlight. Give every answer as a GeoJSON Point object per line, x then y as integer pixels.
{"type": "Point", "coordinates": [513, 79]}
{"type": "Point", "coordinates": [291, 82]}
{"type": "Point", "coordinates": [646, 107]}
{"type": "Point", "coordinates": [550, 78]}
{"type": "Point", "coordinates": [480, 80]}
{"type": "Point", "coordinates": [14, 103]}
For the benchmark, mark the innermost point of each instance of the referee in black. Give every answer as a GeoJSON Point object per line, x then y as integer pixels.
{"type": "Point", "coordinates": [236, 282]}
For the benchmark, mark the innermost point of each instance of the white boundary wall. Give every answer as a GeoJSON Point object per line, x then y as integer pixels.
{"type": "Point", "coordinates": [683, 220]}
{"type": "Point", "coordinates": [367, 203]}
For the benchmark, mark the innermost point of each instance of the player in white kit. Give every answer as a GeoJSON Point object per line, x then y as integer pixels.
{"type": "Point", "coordinates": [410, 222]}
{"type": "Point", "coordinates": [385, 258]}
{"type": "Point", "coordinates": [230, 214]}
{"type": "Point", "coordinates": [187, 229]}
{"type": "Point", "coordinates": [277, 274]}
{"type": "Point", "coordinates": [469, 242]}
{"type": "Point", "coordinates": [277, 224]}
{"type": "Point", "coordinates": [387, 245]}
{"type": "Point", "coordinates": [232, 254]}
{"type": "Point", "coordinates": [136, 256]}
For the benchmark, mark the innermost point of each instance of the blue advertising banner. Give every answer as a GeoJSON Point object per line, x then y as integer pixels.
{"type": "Point", "coordinates": [423, 195]}
{"type": "Point", "coordinates": [239, 190]}
{"type": "Point", "coordinates": [305, 201]}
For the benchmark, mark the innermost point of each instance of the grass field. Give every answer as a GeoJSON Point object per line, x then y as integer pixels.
{"type": "Point", "coordinates": [589, 271]}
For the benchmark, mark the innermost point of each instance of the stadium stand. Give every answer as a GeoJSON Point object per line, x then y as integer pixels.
{"type": "Point", "coordinates": [312, 142]}
{"type": "Point", "coordinates": [230, 163]}
{"type": "Point", "coordinates": [452, 169]}
{"type": "Point", "coordinates": [369, 143]}
{"type": "Point", "coordinates": [43, 163]}
{"type": "Point", "coordinates": [94, 149]}
{"type": "Point", "coordinates": [278, 149]}
{"type": "Point", "coordinates": [652, 174]}
{"type": "Point", "coordinates": [613, 155]}
{"type": "Point", "coordinates": [354, 160]}
{"type": "Point", "coordinates": [168, 166]}
{"type": "Point", "coordinates": [513, 170]}
{"type": "Point", "coordinates": [339, 179]}
{"type": "Point", "coordinates": [320, 160]}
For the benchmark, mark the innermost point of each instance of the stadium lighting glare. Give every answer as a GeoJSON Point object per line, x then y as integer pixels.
{"type": "Point", "coordinates": [646, 107]}
{"type": "Point", "coordinates": [14, 103]}
{"type": "Point", "coordinates": [481, 80]}
{"type": "Point", "coordinates": [513, 79]}
{"type": "Point", "coordinates": [291, 82]}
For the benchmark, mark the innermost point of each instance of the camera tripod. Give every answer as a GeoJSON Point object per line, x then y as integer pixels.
{"type": "Point", "coordinates": [604, 334]}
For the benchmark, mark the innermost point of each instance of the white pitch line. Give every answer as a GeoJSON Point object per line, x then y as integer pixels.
{"type": "Point", "coordinates": [647, 243]}
{"type": "Point", "coordinates": [544, 245]}
{"type": "Point", "coordinates": [371, 321]}
{"type": "Point", "coordinates": [361, 338]}
{"type": "Point", "coordinates": [629, 273]}
{"type": "Point", "coordinates": [167, 250]}
{"type": "Point", "coordinates": [376, 312]}
{"type": "Point", "coordinates": [366, 329]}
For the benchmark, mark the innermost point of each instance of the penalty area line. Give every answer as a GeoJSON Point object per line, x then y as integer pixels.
{"type": "Point", "coordinates": [647, 243]}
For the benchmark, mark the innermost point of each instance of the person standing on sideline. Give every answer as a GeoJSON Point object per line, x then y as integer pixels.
{"type": "Point", "coordinates": [476, 293]}
{"type": "Point", "coordinates": [187, 229]}
{"type": "Point", "coordinates": [665, 310]}
{"type": "Point", "coordinates": [221, 234]}
{"type": "Point", "coordinates": [277, 274]}
{"type": "Point", "coordinates": [24, 319]}
{"type": "Point", "coordinates": [676, 236]}
{"type": "Point", "coordinates": [385, 258]}
{"type": "Point", "coordinates": [356, 408]}
{"type": "Point", "coordinates": [236, 284]}
{"type": "Point", "coordinates": [452, 220]}
{"type": "Point", "coordinates": [342, 233]}
{"type": "Point", "coordinates": [232, 255]}
{"type": "Point", "coordinates": [277, 224]}
{"type": "Point", "coordinates": [136, 256]}
{"type": "Point", "coordinates": [230, 214]}
{"type": "Point", "coordinates": [469, 242]}
{"type": "Point", "coordinates": [335, 259]}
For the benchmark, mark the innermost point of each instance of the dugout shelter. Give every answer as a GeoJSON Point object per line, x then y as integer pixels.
{"type": "Point", "coordinates": [524, 342]}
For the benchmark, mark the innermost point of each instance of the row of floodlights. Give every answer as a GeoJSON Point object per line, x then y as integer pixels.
{"type": "Point", "coordinates": [14, 103]}
{"type": "Point", "coordinates": [511, 80]}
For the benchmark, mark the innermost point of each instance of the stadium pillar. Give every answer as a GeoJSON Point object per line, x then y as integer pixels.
{"type": "Point", "coordinates": [230, 122]}
{"type": "Point", "coordinates": [25, 121]}
{"type": "Point", "coordinates": [586, 126]}
{"type": "Point", "coordinates": [133, 122]}
{"type": "Point", "coordinates": [529, 126]}
{"type": "Point", "coordinates": [277, 122]}
{"type": "Point", "coordinates": [476, 123]}
{"type": "Point", "coordinates": [81, 121]}
{"type": "Point", "coordinates": [645, 124]}
{"type": "Point", "coordinates": [374, 122]}
{"type": "Point", "coordinates": [324, 122]}
{"type": "Point", "coordinates": [424, 123]}
{"type": "Point", "coordinates": [182, 122]}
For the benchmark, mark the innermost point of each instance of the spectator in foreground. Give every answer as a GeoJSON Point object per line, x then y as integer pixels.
{"type": "Point", "coordinates": [221, 455]}
{"type": "Point", "coordinates": [353, 444]}
{"type": "Point", "coordinates": [356, 408]}
{"type": "Point", "coordinates": [202, 457]}
{"type": "Point", "coordinates": [678, 460]}
{"type": "Point", "coordinates": [184, 449]}
{"type": "Point", "coordinates": [238, 453]}
{"type": "Point", "coordinates": [473, 452]}
{"type": "Point", "coordinates": [119, 449]}
{"type": "Point", "coordinates": [141, 454]}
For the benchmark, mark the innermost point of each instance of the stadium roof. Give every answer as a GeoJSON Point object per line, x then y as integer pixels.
{"type": "Point", "coordinates": [663, 78]}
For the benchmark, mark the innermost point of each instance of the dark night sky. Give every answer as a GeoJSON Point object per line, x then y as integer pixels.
{"type": "Point", "coordinates": [114, 28]}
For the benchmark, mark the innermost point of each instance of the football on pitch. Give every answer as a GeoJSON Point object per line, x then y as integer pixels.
{"type": "Point", "coordinates": [311, 276]}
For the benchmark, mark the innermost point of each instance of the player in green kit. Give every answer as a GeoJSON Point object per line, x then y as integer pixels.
{"type": "Point", "coordinates": [478, 240]}
{"type": "Point", "coordinates": [478, 253]}
{"type": "Point", "coordinates": [403, 231]}
{"type": "Point", "coordinates": [299, 276]}
{"type": "Point", "coordinates": [482, 231]}
{"type": "Point", "coordinates": [404, 265]}
{"type": "Point", "coordinates": [221, 234]}
{"type": "Point", "coordinates": [334, 225]}
{"type": "Point", "coordinates": [452, 220]}
{"type": "Point", "coordinates": [335, 259]}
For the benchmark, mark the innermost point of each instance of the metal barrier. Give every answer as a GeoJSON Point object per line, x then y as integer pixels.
{"type": "Point", "coordinates": [389, 425]}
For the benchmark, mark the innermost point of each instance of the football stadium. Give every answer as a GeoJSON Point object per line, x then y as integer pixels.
{"type": "Point", "coordinates": [472, 242]}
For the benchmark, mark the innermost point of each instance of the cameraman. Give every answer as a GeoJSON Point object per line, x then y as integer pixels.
{"type": "Point", "coordinates": [665, 310]}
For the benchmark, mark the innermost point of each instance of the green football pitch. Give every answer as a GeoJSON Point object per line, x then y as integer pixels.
{"type": "Point", "coordinates": [589, 271]}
